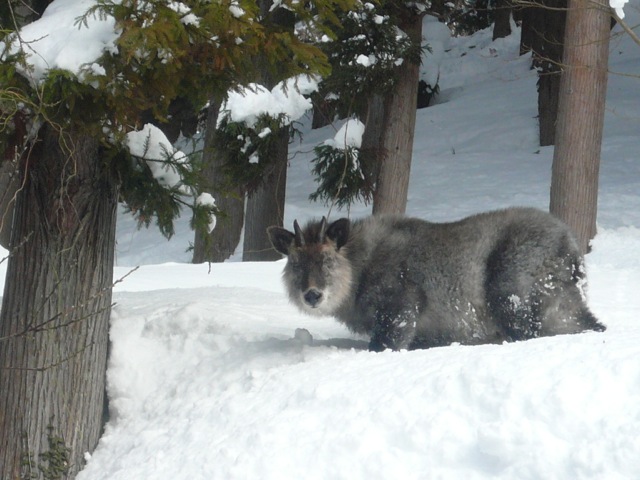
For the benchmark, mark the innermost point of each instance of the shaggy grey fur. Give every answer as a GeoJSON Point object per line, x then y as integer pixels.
{"type": "Point", "coordinates": [499, 276]}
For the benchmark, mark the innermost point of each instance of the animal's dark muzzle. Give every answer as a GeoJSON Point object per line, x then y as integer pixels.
{"type": "Point", "coordinates": [312, 297]}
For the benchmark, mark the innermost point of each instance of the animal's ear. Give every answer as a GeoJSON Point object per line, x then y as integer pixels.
{"type": "Point", "coordinates": [338, 231]}
{"type": "Point", "coordinates": [281, 239]}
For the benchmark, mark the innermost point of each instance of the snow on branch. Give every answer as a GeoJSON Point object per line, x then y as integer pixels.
{"type": "Point", "coordinates": [287, 98]}
{"type": "Point", "coordinates": [166, 163]}
{"type": "Point", "coordinates": [151, 145]}
{"type": "Point", "coordinates": [618, 6]}
{"type": "Point", "coordinates": [57, 41]}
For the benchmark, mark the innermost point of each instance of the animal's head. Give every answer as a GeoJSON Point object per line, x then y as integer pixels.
{"type": "Point", "coordinates": [318, 274]}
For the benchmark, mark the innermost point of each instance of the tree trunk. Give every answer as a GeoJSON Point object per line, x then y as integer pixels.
{"type": "Point", "coordinates": [14, 15]}
{"type": "Point", "coordinates": [548, 94]}
{"type": "Point", "coordinates": [265, 206]}
{"type": "Point", "coordinates": [371, 147]}
{"type": "Point", "coordinates": [502, 19]}
{"type": "Point", "coordinates": [576, 159]}
{"type": "Point", "coordinates": [221, 243]}
{"type": "Point", "coordinates": [543, 34]}
{"type": "Point", "coordinates": [323, 111]}
{"type": "Point", "coordinates": [55, 311]}
{"type": "Point", "coordinates": [400, 105]}
{"type": "Point", "coordinates": [8, 188]}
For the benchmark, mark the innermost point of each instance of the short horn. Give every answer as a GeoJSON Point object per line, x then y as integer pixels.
{"type": "Point", "coordinates": [298, 234]}
{"type": "Point", "coordinates": [323, 229]}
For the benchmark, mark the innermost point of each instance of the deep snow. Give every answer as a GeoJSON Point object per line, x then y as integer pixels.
{"type": "Point", "coordinates": [206, 379]}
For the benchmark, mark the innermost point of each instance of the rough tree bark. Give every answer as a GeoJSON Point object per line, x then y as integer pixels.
{"type": "Point", "coordinates": [265, 207]}
{"type": "Point", "coordinates": [8, 187]}
{"type": "Point", "coordinates": [372, 137]}
{"type": "Point", "coordinates": [13, 15]}
{"type": "Point", "coordinates": [221, 243]}
{"type": "Point", "coordinates": [548, 92]}
{"type": "Point", "coordinates": [543, 28]}
{"type": "Point", "coordinates": [576, 159]}
{"type": "Point", "coordinates": [55, 311]}
{"type": "Point", "coordinates": [400, 105]}
{"type": "Point", "coordinates": [502, 19]}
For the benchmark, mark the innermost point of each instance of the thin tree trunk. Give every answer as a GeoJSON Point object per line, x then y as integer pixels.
{"type": "Point", "coordinates": [55, 311]}
{"type": "Point", "coordinates": [543, 33]}
{"type": "Point", "coordinates": [323, 111]}
{"type": "Point", "coordinates": [548, 94]}
{"type": "Point", "coordinates": [265, 206]}
{"type": "Point", "coordinates": [372, 137]}
{"type": "Point", "coordinates": [502, 19]}
{"type": "Point", "coordinates": [221, 243]}
{"type": "Point", "coordinates": [400, 105]}
{"type": "Point", "coordinates": [576, 159]}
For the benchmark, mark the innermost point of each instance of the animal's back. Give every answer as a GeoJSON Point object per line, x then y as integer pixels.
{"type": "Point", "coordinates": [422, 279]}
{"type": "Point", "coordinates": [477, 280]}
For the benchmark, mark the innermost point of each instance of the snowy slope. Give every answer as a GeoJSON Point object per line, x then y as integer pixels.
{"type": "Point", "coordinates": [207, 381]}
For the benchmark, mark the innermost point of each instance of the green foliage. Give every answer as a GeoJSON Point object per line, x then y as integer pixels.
{"type": "Point", "coordinates": [197, 51]}
{"type": "Point", "coordinates": [340, 176]}
{"type": "Point", "coordinates": [365, 55]}
{"type": "Point", "coordinates": [66, 99]}
{"type": "Point", "coordinates": [248, 148]}
{"type": "Point", "coordinates": [202, 216]}
{"type": "Point", "coordinates": [465, 17]}
{"type": "Point", "coordinates": [160, 57]}
{"type": "Point", "coordinates": [53, 464]}
{"type": "Point", "coordinates": [149, 196]}
{"type": "Point", "coordinates": [146, 198]}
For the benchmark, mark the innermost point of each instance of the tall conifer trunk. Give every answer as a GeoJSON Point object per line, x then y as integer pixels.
{"type": "Point", "coordinates": [55, 311]}
{"type": "Point", "coordinates": [543, 34]}
{"type": "Point", "coordinates": [583, 87]}
{"type": "Point", "coordinates": [265, 205]}
{"type": "Point", "coordinates": [502, 19]}
{"type": "Point", "coordinates": [222, 242]}
{"type": "Point", "coordinates": [400, 105]}
{"type": "Point", "coordinates": [372, 148]}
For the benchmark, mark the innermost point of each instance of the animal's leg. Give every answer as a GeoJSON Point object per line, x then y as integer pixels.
{"type": "Point", "coordinates": [395, 332]}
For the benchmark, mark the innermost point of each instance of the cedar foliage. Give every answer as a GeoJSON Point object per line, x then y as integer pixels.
{"type": "Point", "coordinates": [339, 176]}
{"type": "Point", "coordinates": [197, 53]}
{"type": "Point", "coordinates": [246, 148]}
{"type": "Point", "coordinates": [364, 58]}
{"type": "Point", "coordinates": [365, 55]}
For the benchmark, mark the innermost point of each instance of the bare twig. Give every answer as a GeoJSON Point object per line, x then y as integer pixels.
{"type": "Point", "coordinates": [46, 325]}
{"type": "Point", "coordinates": [55, 364]}
{"type": "Point", "coordinates": [625, 26]}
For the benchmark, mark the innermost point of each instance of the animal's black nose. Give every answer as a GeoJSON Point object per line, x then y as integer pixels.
{"type": "Point", "coordinates": [312, 297]}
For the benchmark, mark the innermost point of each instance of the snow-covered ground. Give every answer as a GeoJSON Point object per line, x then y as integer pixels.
{"type": "Point", "coordinates": [208, 381]}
